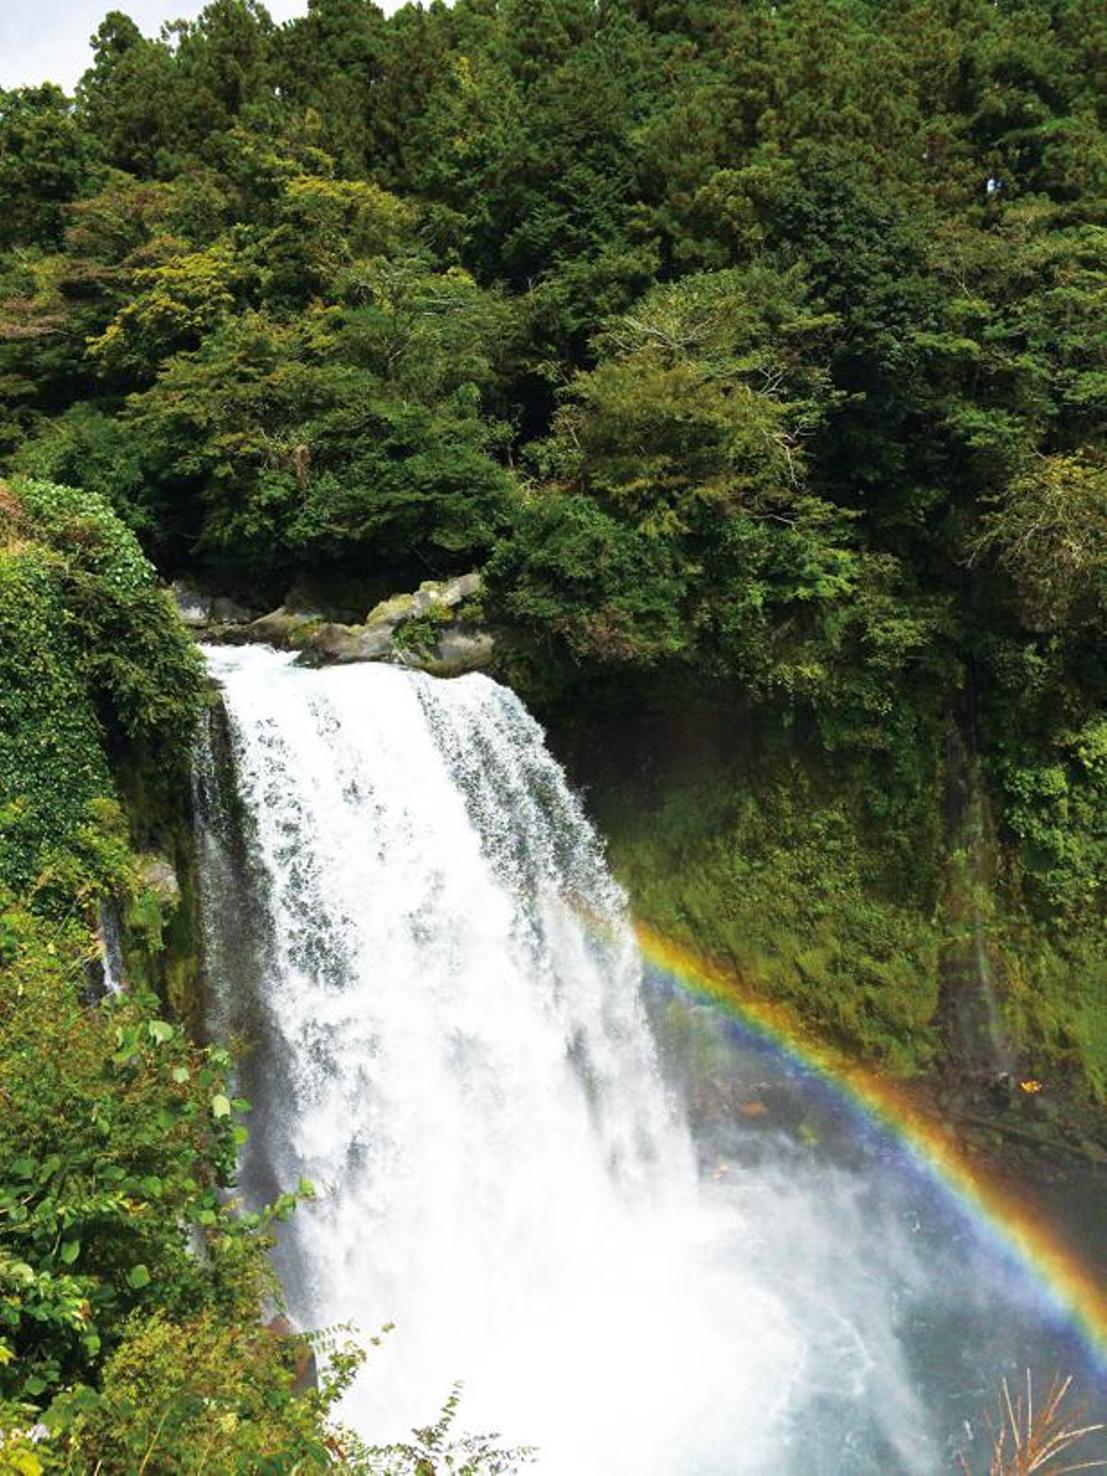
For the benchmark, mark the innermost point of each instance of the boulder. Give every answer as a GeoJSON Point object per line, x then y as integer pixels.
{"type": "Point", "coordinates": [199, 610]}
{"type": "Point", "coordinates": [447, 646]}
{"type": "Point", "coordinates": [464, 587]}
{"type": "Point", "coordinates": [193, 607]}
{"type": "Point", "coordinates": [158, 874]}
{"type": "Point", "coordinates": [288, 629]}
{"type": "Point", "coordinates": [339, 644]}
{"type": "Point", "coordinates": [432, 594]}
{"type": "Point", "coordinates": [460, 648]}
{"type": "Point", "coordinates": [398, 608]}
{"type": "Point", "coordinates": [225, 611]}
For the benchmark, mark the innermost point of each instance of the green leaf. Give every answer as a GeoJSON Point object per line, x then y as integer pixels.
{"type": "Point", "coordinates": [220, 1106]}
{"type": "Point", "coordinates": [180, 1074]}
{"type": "Point", "coordinates": [138, 1277]}
{"type": "Point", "coordinates": [49, 1168]}
{"type": "Point", "coordinates": [160, 1031]}
{"type": "Point", "coordinates": [70, 1250]}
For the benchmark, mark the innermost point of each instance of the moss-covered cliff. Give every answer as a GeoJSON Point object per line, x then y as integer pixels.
{"type": "Point", "coordinates": [891, 917]}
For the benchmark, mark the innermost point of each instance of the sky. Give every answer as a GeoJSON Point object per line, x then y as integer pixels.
{"type": "Point", "coordinates": [47, 40]}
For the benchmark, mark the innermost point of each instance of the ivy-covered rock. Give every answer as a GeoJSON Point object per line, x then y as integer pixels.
{"type": "Point", "coordinates": [92, 656]}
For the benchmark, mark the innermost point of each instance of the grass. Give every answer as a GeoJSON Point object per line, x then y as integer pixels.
{"type": "Point", "coordinates": [1029, 1437]}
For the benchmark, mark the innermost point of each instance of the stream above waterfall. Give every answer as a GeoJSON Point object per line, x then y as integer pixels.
{"type": "Point", "coordinates": [648, 1244]}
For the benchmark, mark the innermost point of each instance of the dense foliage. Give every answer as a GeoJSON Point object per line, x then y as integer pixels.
{"type": "Point", "coordinates": [91, 655]}
{"type": "Point", "coordinates": [765, 338]}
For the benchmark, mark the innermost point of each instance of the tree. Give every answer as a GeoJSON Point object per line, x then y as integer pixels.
{"type": "Point", "coordinates": [46, 162]}
{"type": "Point", "coordinates": [130, 98]}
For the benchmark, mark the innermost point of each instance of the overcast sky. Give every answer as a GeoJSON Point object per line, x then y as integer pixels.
{"type": "Point", "coordinates": [44, 40]}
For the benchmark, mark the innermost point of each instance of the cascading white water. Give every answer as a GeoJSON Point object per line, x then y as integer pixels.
{"type": "Point", "coordinates": [444, 991]}
{"type": "Point", "coordinates": [111, 947]}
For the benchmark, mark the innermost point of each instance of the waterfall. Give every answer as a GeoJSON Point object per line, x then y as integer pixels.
{"type": "Point", "coordinates": [409, 918]}
{"type": "Point", "coordinates": [111, 946]}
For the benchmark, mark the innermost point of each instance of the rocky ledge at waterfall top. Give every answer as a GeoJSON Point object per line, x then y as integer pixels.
{"type": "Point", "coordinates": [435, 629]}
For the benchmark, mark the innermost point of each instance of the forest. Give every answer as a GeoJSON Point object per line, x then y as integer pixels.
{"type": "Point", "coordinates": [756, 354]}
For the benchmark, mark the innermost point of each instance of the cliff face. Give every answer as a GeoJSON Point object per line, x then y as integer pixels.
{"type": "Point", "coordinates": [887, 917]}
{"type": "Point", "coordinates": [744, 843]}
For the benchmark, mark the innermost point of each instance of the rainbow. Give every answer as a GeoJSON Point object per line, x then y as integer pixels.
{"type": "Point", "coordinates": [1073, 1290]}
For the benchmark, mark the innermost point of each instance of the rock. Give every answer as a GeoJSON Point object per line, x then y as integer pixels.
{"type": "Point", "coordinates": [459, 649]}
{"type": "Point", "coordinates": [395, 610]}
{"type": "Point", "coordinates": [193, 607]}
{"type": "Point", "coordinates": [158, 874]}
{"type": "Point", "coordinates": [225, 611]}
{"type": "Point", "coordinates": [446, 647]}
{"type": "Point", "coordinates": [464, 587]}
{"type": "Point", "coordinates": [199, 610]}
{"type": "Point", "coordinates": [340, 644]}
{"type": "Point", "coordinates": [432, 594]}
{"type": "Point", "coordinates": [288, 629]}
